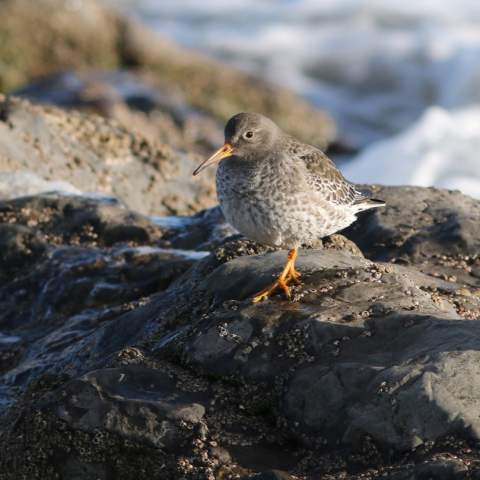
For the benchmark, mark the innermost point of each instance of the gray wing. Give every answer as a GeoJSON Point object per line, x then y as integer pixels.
{"type": "Point", "coordinates": [325, 178]}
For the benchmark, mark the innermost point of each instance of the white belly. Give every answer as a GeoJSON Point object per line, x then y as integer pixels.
{"type": "Point", "coordinates": [289, 226]}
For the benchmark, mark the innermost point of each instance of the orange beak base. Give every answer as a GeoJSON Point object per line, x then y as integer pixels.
{"type": "Point", "coordinates": [223, 152]}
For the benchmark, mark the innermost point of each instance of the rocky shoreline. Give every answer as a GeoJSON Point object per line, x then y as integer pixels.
{"type": "Point", "coordinates": [129, 347]}
{"type": "Point", "coordinates": [133, 347]}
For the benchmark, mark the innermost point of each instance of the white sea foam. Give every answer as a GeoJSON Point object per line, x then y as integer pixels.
{"type": "Point", "coordinates": [441, 148]}
{"type": "Point", "coordinates": [23, 183]}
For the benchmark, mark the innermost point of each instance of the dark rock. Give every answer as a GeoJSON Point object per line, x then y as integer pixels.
{"type": "Point", "coordinates": [271, 475]}
{"type": "Point", "coordinates": [437, 230]}
{"type": "Point", "coordinates": [75, 469]}
{"type": "Point", "coordinates": [136, 403]}
{"type": "Point", "coordinates": [159, 362]}
{"type": "Point", "coordinates": [129, 449]}
{"type": "Point", "coordinates": [10, 352]}
{"type": "Point", "coordinates": [19, 246]}
{"type": "Point", "coordinates": [70, 267]}
{"type": "Point", "coordinates": [75, 220]}
{"type": "Point", "coordinates": [357, 355]}
{"type": "Point", "coordinates": [221, 454]}
{"type": "Point", "coordinates": [204, 231]}
{"type": "Point", "coordinates": [5, 109]}
{"type": "Point", "coordinates": [442, 470]}
{"type": "Point", "coordinates": [435, 469]}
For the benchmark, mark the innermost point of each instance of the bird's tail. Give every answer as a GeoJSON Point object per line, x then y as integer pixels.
{"type": "Point", "coordinates": [368, 203]}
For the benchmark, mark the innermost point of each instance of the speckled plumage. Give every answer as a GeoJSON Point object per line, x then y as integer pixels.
{"type": "Point", "coordinates": [283, 193]}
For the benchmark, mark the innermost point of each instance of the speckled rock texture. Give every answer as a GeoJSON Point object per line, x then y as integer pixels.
{"type": "Point", "coordinates": [135, 101]}
{"type": "Point", "coordinates": [93, 154]}
{"type": "Point", "coordinates": [436, 230]}
{"type": "Point", "coordinates": [130, 347]}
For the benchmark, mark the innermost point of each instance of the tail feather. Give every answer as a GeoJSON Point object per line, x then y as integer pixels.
{"type": "Point", "coordinates": [368, 203]}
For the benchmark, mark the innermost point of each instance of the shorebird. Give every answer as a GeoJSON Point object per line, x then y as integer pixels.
{"type": "Point", "coordinates": [281, 192]}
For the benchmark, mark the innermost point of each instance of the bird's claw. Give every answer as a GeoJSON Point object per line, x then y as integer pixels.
{"type": "Point", "coordinates": [294, 277]}
{"type": "Point", "coordinates": [288, 275]}
{"type": "Point", "coordinates": [266, 292]}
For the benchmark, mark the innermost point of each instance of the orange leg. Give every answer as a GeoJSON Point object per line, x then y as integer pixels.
{"type": "Point", "coordinates": [289, 274]}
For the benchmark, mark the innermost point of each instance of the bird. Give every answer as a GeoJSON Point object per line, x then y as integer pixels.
{"type": "Point", "coordinates": [281, 192]}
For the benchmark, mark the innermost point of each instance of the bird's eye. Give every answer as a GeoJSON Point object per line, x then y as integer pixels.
{"type": "Point", "coordinates": [248, 134]}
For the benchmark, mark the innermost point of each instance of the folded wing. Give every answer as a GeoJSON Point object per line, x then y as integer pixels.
{"type": "Point", "coordinates": [327, 180]}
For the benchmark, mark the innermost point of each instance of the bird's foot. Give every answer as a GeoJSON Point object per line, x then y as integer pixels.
{"type": "Point", "coordinates": [280, 284]}
{"type": "Point", "coordinates": [288, 275]}
{"type": "Point", "coordinates": [266, 292]}
{"type": "Point", "coordinates": [294, 276]}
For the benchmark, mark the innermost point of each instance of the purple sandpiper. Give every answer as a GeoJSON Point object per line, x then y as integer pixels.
{"type": "Point", "coordinates": [281, 192]}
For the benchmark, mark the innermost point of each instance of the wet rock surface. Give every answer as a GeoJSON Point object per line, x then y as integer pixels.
{"type": "Point", "coordinates": [130, 347]}
{"type": "Point", "coordinates": [69, 264]}
{"type": "Point", "coordinates": [137, 403]}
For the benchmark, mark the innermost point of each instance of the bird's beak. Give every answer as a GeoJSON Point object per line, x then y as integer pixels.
{"type": "Point", "coordinates": [223, 152]}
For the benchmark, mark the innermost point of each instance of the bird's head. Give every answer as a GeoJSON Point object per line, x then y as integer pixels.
{"type": "Point", "coordinates": [247, 137]}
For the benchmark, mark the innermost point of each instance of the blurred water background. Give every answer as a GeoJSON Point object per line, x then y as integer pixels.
{"type": "Point", "coordinates": [401, 79]}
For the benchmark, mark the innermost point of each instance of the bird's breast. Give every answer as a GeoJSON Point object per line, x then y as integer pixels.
{"type": "Point", "coordinates": [256, 202]}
